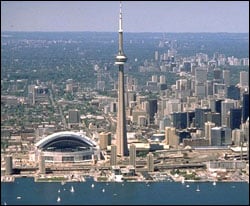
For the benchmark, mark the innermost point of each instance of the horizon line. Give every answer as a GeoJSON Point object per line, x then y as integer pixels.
{"type": "Point", "coordinates": [136, 32]}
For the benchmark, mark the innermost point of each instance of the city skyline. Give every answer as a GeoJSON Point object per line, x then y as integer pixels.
{"type": "Point", "coordinates": [151, 16]}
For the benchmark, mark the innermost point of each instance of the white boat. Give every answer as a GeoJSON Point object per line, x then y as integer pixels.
{"type": "Point", "coordinates": [58, 199]}
{"type": "Point", "coordinates": [183, 180]}
{"type": "Point", "coordinates": [59, 191]}
{"type": "Point", "coordinates": [92, 185]}
{"type": "Point", "coordinates": [214, 183]}
{"type": "Point", "coordinates": [103, 190]}
{"type": "Point", "coordinates": [187, 185]}
{"type": "Point", "coordinates": [18, 197]}
{"type": "Point", "coordinates": [197, 189]}
{"type": "Point", "coordinates": [72, 189]}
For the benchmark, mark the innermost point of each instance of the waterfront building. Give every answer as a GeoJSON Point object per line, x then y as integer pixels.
{"type": "Point", "coordinates": [113, 158]}
{"type": "Point", "coordinates": [121, 133]}
{"type": "Point", "coordinates": [150, 162]}
{"type": "Point", "coordinates": [8, 165]}
{"type": "Point", "coordinates": [42, 169]}
{"type": "Point", "coordinates": [132, 155]}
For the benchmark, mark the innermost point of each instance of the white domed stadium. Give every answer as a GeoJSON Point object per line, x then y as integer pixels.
{"type": "Point", "coordinates": [66, 147]}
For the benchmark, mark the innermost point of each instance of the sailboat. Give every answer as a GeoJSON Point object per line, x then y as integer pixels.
{"type": "Point", "coordinates": [92, 185]}
{"type": "Point", "coordinates": [214, 183]}
{"type": "Point", "coordinates": [72, 189]}
{"type": "Point", "coordinates": [58, 199]}
{"type": "Point", "coordinates": [103, 190]}
{"type": "Point", "coordinates": [197, 189]}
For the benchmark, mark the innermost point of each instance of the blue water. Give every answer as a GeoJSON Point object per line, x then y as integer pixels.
{"type": "Point", "coordinates": [163, 193]}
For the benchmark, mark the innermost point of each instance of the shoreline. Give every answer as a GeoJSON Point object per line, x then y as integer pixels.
{"type": "Point", "coordinates": [12, 178]}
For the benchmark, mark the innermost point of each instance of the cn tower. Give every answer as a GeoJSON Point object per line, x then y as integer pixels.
{"type": "Point", "coordinates": [121, 131]}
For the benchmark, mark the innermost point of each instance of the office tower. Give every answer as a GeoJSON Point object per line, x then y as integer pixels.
{"type": "Point", "coordinates": [219, 90]}
{"type": "Point", "coordinates": [233, 92]}
{"type": "Point", "coordinates": [172, 105]}
{"type": "Point", "coordinates": [199, 117]}
{"type": "Point", "coordinates": [152, 109]}
{"type": "Point", "coordinates": [217, 76]}
{"type": "Point", "coordinates": [186, 67]}
{"type": "Point", "coordinates": [179, 120]}
{"type": "Point", "coordinates": [105, 140]}
{"type": "Point", "coordinates": [42, 169]}
{"type": "Point", "coordinates": [213, 117]}
{"type": "Point", "coordinates": [245, 107]}
{"type": "Point", "coordinates": [221, 136]}
{"type": "Point", "coordinates": [226, 77]}
{"type": "Point", "coordinates": [245, 127]}
{"type": "Point", "coordinates": [113, 155]}
{"type": "Point", "coordinates": [162, 79]}
{"type": "Point", "coordinates": [200, 74]}
{"type": "Point", "coordinates": [132, 155]}
{"type": "Point", "coordinates": [190, 118]}
{"type": "Point", "coordinates": [218, 105]}
{"type": "Point", "coordinates": [154, 78]}
{"type": "Point", "coordinates": [156, 55]}
{"type": "Point", "coordinates": [113, 107]}
{"type": "Point", "coordinates": [200, 82]}
{"type": "Point", "coordinates": [74, 116]}
{"type": "Point", "coordinates": [150, 162]}
{"type": "Point", "coordinates": [8, 165]}
{"type": "Point", "coordinates": [209, 88]}
{"type": "Point", "coordinates": [208, 127]}
{"type": "Point", "coordinates": [225, 108]}
{"type": "Point", "coordinates": [121, 135]}
{"type": "Point", "coordinates": [170, 136]}
{"type": "Point", "coordinates": [237, 136]}
{"type": "Point", "coordinates": [235, 118]}
{"type": "Point", "coordinates": [244, 79]}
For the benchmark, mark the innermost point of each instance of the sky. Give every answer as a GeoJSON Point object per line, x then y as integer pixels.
{"type": "Point", "coordinates": [138, 16]}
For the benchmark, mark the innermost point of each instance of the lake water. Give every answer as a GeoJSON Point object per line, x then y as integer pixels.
{"type": "Point", "coordinates": [24, 191]}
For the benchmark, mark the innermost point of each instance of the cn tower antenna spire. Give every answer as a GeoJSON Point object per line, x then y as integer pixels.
{"type": "Point", "coordinates": [120, 19]}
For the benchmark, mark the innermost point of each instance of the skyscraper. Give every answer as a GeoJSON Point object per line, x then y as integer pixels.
{"type": "Point", "coordinates": [121, 133]}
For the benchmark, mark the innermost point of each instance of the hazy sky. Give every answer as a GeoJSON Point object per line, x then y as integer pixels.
{"type": "Point", "coordinates": [138, 16]}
